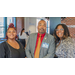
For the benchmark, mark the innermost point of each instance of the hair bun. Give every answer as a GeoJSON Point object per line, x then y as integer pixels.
{"type": "Point", "coordinates": [11, 25]}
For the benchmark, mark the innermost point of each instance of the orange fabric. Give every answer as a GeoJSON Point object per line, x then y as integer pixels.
{"type": "Point", "coordinates": [38, 48]}
{"type": "Point", "coordinates": [42, 37]}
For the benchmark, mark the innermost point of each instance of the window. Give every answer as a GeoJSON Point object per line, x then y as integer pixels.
{"type": "Point", "coordinates": [4, 23]}
{"type": "Point", "coordinates": [1, 27]}
{"type": "Point", "coordinates": [9, 20]}
{"type": "Point", "coordinates": [47, 25]}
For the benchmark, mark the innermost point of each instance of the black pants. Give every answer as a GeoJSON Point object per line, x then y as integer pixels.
{"type": "Point", "coordinates": [23, 41]}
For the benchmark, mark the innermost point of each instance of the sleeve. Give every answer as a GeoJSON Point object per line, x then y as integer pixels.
{"type": "Point", "coordinates": [70, 50]}
{"type": "Point", "coordinates": [28, 53]}
{"type": "Point", "coordinates": [66, 50]}
{"type": "Point", "coordinates": [51, 51]}
{"type": "Point", "coordinates": [61, 51]}
{"type": "Point", "coordinates": [2, 51]}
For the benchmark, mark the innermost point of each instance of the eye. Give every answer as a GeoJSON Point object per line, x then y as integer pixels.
{"type": "Point", "coordinates": [39, 24]}
{"type": "Point", "coordinates": [14, 31]}
{"type": "Point", "coordinates": [57, 29]}
{"type": "Point", "coordinates": [44, 25]}
{"type": "Point", "coordinates": [62, 29]}
{"type": "Point", "coordinates": [9, 31]}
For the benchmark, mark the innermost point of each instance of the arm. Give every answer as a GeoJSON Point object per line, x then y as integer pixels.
{"type": "Point", "coordinates": [70, 50]}
{"type": "Point", "coordinates": [51, 50]}
{"type": "Point", "coordinates": [2, 51]}
{"type": "Point", "coordinates": [65, 50]}
{"type": "Point", "coordinates": [28, 53]}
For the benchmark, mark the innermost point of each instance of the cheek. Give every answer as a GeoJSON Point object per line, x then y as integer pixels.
{"type": "Point", "coordinates": [56, 32]}
{"type": "Point", "coordinates": [63, 32]}
{"type": "Point", "coordinates": [38, 28]}
{"type": "Point", "coordinates": [8, 34]}
{"type": "Point", "coordinates": [15, 34]}
{"type": "Point", "coordinates": [44, 28]}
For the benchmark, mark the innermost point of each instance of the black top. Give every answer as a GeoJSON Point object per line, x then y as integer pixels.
{"type": "Point", "coordinates": [7, 51]}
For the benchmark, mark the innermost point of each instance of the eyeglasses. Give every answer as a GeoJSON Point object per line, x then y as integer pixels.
{"type": "Point", "coordinates": [59, 29]}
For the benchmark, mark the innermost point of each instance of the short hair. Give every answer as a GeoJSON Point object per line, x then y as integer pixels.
{"type": "Point", "coordinates": [66, 33]}
{"type": "Point", "coordinates": [42, 20]}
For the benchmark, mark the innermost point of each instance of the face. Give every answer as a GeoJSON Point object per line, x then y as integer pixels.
{"type": "Point", "coordinates": [60, 31]}
{"type": "Point", "coordinates": [11, 33]}
{"type": "Point", "coordinates": [23, 31]}
{"type": "Point", "coordinates": [42, 27]}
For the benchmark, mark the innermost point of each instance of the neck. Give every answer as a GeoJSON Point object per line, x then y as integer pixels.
{"type": "Point", "coordinates": [60, 39]}
{"type": "Point", "coordinates": [41, 33]}
{"type": "Point", "coordinates": [11, 40]}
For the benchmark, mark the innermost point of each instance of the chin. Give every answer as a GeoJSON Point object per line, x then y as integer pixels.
{"type": "Point", "coordinates": [12, 38]}
{"type": "Point", "coordinates": [42, 32]}
{"type": "Point", "coordinates": [60, 36]}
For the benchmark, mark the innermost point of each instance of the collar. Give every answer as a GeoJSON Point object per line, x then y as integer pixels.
{"type": "Point", "coordinates": [42, 35]}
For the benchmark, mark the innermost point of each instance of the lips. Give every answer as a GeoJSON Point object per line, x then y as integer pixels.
{"type": "Point", "coordinates": [41, 29]}
{"type": "Point", "coordinates": [11, 35]}
{"type": "Point", "coordinates": [59, 33]}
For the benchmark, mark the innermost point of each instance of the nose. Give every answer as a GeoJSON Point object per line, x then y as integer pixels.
{"type": "Point", "coordinates": [42, 26]}
{"type": "Point", "coordinates": [11, 32]}
{"type": "Point", "coordinates": [59, 30]}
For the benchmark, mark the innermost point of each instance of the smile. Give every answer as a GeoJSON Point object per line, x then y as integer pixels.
{"type": "Point", "coordinates": [59, 33]}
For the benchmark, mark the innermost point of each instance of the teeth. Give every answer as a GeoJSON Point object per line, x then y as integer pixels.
{"type": "Point", "coordinates": [59, 33]}
{"type": "Point", "coordinates": [11, 35]}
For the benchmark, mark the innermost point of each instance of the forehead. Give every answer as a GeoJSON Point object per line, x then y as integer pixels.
{"type": "Point", "coordinates": [59, 27]}
{"type": "Point", "coordinates": [42, 22]}
{"type": "Point", "coordinates": [11, 29]}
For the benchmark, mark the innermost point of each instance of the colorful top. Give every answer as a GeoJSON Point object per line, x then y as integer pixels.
{"type": "Point", "coordinates": [66, 49]}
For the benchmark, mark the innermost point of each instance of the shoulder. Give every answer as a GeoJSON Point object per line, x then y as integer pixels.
{"type": "Point", "coordinates": [3, 43]}
{"type": "Point", "coordinates": [49, 36]}
{"type": "Point", "coordinates": [33, 34]}
{"type": "Point", "coordinates": [68, 40]}
{"type": "Point", "coordinates": [67, 43]}
{"type": "Point", "coordinates": [23, 32]}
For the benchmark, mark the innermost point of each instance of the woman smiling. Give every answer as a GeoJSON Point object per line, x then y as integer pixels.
{"type": "Point", "coordinates": [64, 43]}
{"type": "Point", "coordinates": [11, 48]}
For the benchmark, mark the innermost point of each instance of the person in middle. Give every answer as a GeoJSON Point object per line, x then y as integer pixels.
{"type": "Point", "coordinates": [41, 44]}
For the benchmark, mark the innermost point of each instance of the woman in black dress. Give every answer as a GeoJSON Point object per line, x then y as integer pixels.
{"type": "Point", "coordinates": [11, 48]}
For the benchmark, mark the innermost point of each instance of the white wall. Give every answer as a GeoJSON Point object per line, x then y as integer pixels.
{"type": "Point", "coordinates": [30, 24]}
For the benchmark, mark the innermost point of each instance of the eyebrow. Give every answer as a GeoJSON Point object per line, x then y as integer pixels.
{"type": "Point", "coordinates": [39, 23]}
